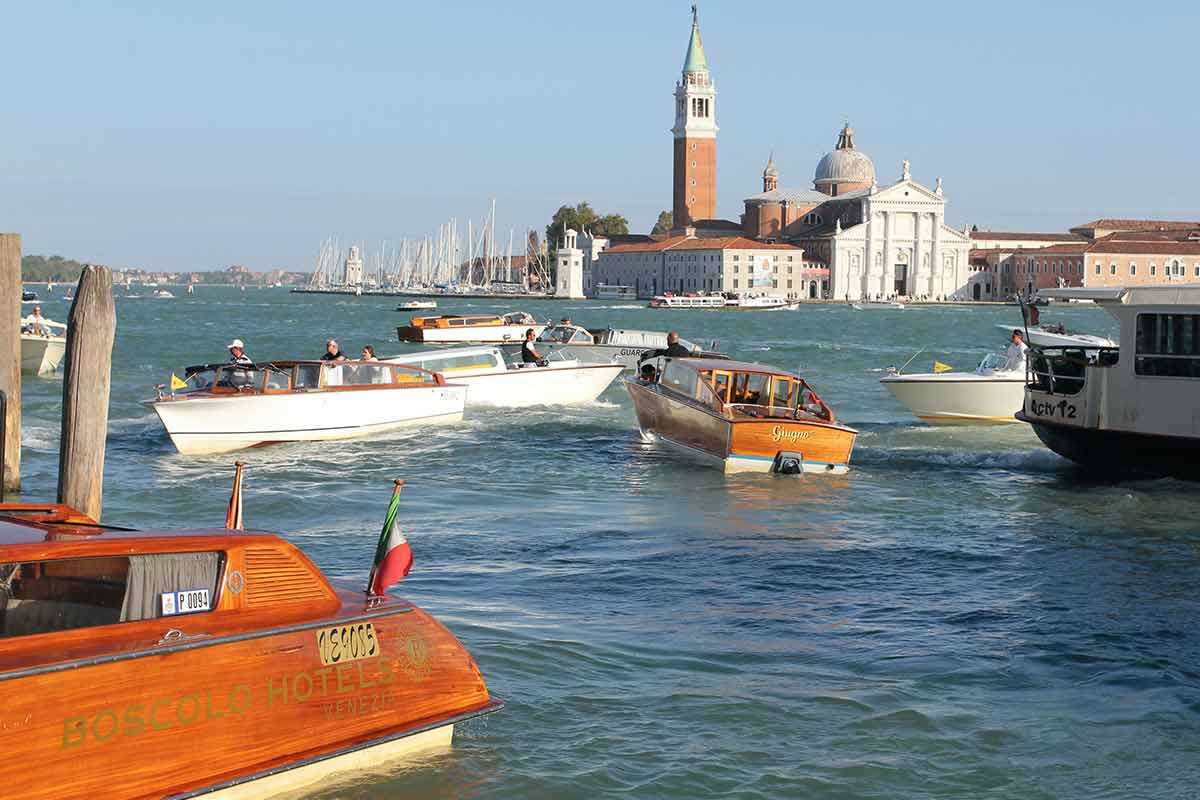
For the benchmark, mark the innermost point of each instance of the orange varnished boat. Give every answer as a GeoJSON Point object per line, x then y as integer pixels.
{"type": "Point", "coordinates": [205, 663]}
{"type": "Point", "coordinates": [740, 416]}
{"type": "Point", "coordinates": [470, 328]}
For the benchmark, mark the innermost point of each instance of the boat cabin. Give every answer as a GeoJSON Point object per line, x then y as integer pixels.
{"type": "Point", "coordinates": [472, 320]}
{"type": "Point", "coordinates": [280, 377]}
{"type": "Point", "coordinates": [457, 361]}
{"type": "Point", "coordinates": [737, 389]}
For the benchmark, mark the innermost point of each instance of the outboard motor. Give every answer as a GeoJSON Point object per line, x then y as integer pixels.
{"type": "Point", "coordinates": [788, 463]}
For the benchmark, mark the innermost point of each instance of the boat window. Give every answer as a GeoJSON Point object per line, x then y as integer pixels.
{"type": "Point", "coordinates": [750, 388]}
{"type": "Point", "coordinates": [483, 360]}
{"type": "Point", "coordinates": [810, 404]}
{"type": "Point", "coordinates": [458, 322]}
{"type": "Point", "coordinates": [1168, 345]}
{"type": "Point", "coordinates": [308, 376]}
{"type": "Point", "coordinates": [240, 378]}
{"type": "Point", "coordinates": [47, 596]}
{"type": "Point", "coordinates": [720, 384]}
{"type": "Point", "coordinates": [783, 393]}
{"type": "Point", "coordinates": [582, 337]}
{"type": "Point", "coordinates": [366, 374]}
{"type": "Point", "coordinates": [278, 381]}
{"type": "Point", "coordinates": [412, 374]}
{"type": "Point", "coordinates": [680, 378]}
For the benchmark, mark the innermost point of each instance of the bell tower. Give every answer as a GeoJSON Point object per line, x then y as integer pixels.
{"type": "Point", "coordinates": [695, 131]}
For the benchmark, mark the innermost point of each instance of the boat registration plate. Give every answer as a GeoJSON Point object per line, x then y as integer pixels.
{"type": "Point", "coordinates": [341, 643]}
{"type": "Point", "coordinates": [188, 601]}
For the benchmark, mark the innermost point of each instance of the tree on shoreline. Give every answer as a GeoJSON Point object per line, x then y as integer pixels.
{"type": "Point", "coordinates": [55, 269]}
{"type": "Point", "coordinates": [666, 221]}
{"type": "Point", "coordinates": [582, 217]}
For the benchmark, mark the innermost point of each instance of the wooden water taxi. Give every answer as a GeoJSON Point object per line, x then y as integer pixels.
{"type": "Point", "coordinates": [740, 416]}
{"type": "Point", "coordinates": [225, 407]}
{"type": "Point", "coordinates": [473, 329]}
{"type": "Point", "coordinates": [209, 663]}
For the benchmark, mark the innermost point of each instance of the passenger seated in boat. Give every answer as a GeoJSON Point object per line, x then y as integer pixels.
{"type": "Point", "coordinates": [529, 353]}
{"type": "Point", "coordinates": [333, 352]}
{"type": "Point", "coordinates": [648, 373]}
{"type": "Point", "coordinates": [36, 324]}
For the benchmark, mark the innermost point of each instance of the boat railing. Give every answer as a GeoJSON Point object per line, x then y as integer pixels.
{"type": "Point", "coordinates": [1063, 370]}
{"type": "Point", "coordinates": [301, 376]}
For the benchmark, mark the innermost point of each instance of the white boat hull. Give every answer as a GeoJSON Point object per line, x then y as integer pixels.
{"type": "Point", "coordinates": [490, 334]}
{"type": "Point", "coordinates": [539, 386]}
{"type": "Point", "coordinates": [223, 424]}
{"type": "Point", "coordinates": [962, 398]}
{"type": "Point", "coordinates": [41, 355]}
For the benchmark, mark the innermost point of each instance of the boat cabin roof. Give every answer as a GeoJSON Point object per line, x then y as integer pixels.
{"type": "Point", "coordinates": [1174, 295]}
{"type": "Point", "coordinates": [729, 365]}
{"type": "Point", "coordinates": [444, 354]}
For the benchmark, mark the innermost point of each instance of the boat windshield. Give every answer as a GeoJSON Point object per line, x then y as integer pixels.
{"type": "Point", "coordinates": [691, 384]}
{"type": "Point", "coordinates": [759, 394]}
{"type": "Point", "coordinates": [993, 362]}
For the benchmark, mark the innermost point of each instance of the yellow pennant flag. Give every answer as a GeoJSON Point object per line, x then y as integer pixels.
{"type": "Point", "coordinates": [939, 367]}
{"type": "Point", "coordinates": [177, 383]}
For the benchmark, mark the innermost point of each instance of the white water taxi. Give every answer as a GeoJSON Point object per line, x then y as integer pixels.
{"type": "Point", "coordinates": [1130, 408]}
{"type": "Point", "coordinates": [228, 407]}
{"type": "Point", "coordinates": [606, 345]}
{"type": "Point", "coordinates": [416, 305]}
{"type": "Point", "coordinates": [493, 381]}
{"type": "Point", "coordinates": [167, 294]}
{"type": "Point", "coordinates": [990, 394]}
{"type": "Point", "coordinates": [43, 345]}
{"type": "Point", "coordinates": [477, 328]}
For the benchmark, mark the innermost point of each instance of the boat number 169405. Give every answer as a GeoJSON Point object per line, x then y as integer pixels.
{"type": "Point", "coordinates": [1046, 409]}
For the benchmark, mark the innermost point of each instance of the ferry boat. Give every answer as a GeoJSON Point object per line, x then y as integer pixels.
{"type": "Point", "coordinates": [471, 329]}
{"type": "Point", "coordinates": [1130, 408]}
{"type": "Point", "coordinates": [43, 345]}
{"type": "Point", "coordinates": [226, 407]}
{"type": "Point", "coordinates": [615, 292]}
{"type": "Point", "coordinates": [206, 663]}
{"type": "Point", "coordinates": [670, 300]}
{"type": "Point", "coordinates": [607, 345]}
{"type": "Point", "coordinates": [739, 416]}
{"type": "Point", "coordinates": [991, 394]}
{"type": "Point", "coordinates": [492, 381]}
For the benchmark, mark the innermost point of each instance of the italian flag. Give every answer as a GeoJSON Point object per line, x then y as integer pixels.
{"type": "Point", "coordinates": [393, 556]}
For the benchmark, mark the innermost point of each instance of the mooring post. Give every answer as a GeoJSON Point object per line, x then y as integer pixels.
{"type": "Point", "coordinates": [86, 381]}
{"type": "Point", "coordinates": [10, 355]}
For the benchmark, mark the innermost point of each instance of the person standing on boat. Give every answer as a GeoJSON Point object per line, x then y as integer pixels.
{"type": "Point", "coordinates": [1016, 351]}
{"type": "Point", "coordinates": [529, 353]}
{"type": "Point", "coordinates": [37, 323]}
{"type": "Point", "coordinates": [674, 348]}
{"type": "Point", "coordinates": [333, 352]}
{"type": "Point", "coordinates": [237, 353]}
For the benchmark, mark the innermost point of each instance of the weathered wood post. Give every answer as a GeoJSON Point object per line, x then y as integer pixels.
{"type": "Point", "coordinates": [86, 381]}
{"type": "Point", "coordinates": [10, 355]}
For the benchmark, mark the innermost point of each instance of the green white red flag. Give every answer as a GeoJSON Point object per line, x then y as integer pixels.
{"type": "Point", "coordinates": [393, 555]}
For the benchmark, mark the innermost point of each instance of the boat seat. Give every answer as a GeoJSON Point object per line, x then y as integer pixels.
{"type": "Point", "coordinates": [24, 617]}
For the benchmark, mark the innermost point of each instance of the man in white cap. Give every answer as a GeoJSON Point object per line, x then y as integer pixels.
{"type": "Point", "coordinates": [237, 355]}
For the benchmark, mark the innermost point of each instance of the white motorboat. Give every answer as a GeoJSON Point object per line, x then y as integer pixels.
{"type": "Point", "coordinates": [759, 302]}
{"type": "Point", "coordinates": [1058, 336]}
{"type": "Point", "coordinates": [416, 305]}
{"type": "Point", "coordinates": [991, 394]}
{"type": "Point", "coordinates": [605, 345]}
{"type": "Point", "coordinates": [43, 345]}
{"type": "Point", "coordinates": [166, 293]}
{"type": "Point", "coordinates": [877, 305]}
{"type": "Point", "coordinates": [493, 381]}
{"type": "Point", "coordinates": [227, 407]}
{"type": "Point", "coordinates": [668, 300]}
{"type": "Point", "coordinates": [1130, 408]}
{"type": "Point", "coordinates": [473, 329]}
{"type": "Point", "coordinates": [723, 302]}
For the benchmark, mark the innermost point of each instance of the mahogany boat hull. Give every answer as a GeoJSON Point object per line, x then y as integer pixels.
{"type": "Point", "coordinates": [741, 444]}
{"type": "Point", "coordinates": [237, 713]}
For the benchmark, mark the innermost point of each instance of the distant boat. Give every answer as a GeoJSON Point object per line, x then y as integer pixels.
{"type": "Point", "coordinates": [43, 345]}
{"type": "Point", "coordinates": [877, 306]}
{"type": "Point", "coordinates": [478, 328]}
{"type": "Point", "coordinates": [416, 305]}
{"type": "Point", "coordinates": [28, 296]}
{"type": "Point", "coordinates": [163, 293]}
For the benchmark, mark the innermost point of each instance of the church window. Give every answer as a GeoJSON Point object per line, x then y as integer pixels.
{"type": "Point", "coordinates": [693, 165]}
{"type": "Point", "coordinates": [735, 283]}
{"type": "Point", "coordinates": [1132, 268]}
{"type": "Point", "coordinates": [693, 145]}
{"type": "Point", "coordinates": [774, 284]}
{"type": "Point", "coordinates": [693, 198]}
{"type": "Point", "coordinates": [789, 258]}
{"type": "Point", "coordinates": [789, 284]}
{"type": "Point", "coordinates": [693, 181]}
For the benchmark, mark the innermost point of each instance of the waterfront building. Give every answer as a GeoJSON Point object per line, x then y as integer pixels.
{"type": "Point", "coordinates": [569, 282]}
{"type": "Point", "coordinates": [1144, 258]}
{"type": "Point", "coordinates": [689, 263]}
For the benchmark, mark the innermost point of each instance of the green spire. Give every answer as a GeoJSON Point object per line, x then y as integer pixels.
{"type": "Point", "coordinates": [695, 61]}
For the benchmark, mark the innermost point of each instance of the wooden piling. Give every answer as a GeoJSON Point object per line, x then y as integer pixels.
{"type": "Point", "coordinates": [87, 378]}
{"type": "Point", "coordinates": [10, 355]}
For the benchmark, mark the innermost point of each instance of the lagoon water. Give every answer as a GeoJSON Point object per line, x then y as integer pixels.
{"type": "Point", "coordinates": [963, 615]}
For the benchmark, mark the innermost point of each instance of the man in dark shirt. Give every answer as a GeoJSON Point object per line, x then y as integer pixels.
{"type": "Point", "coordinates": [333, 352]}
{"type": "Point", "coordinates": [674, 348]}
{"type": "Point", "coordinates": [529, 353]}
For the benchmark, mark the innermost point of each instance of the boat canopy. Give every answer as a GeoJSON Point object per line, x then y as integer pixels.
{"type": "Point", "coordinates": [287, 376]}
{"type": "Point", "coordinates": [734, 388]}
{"type": "Point", "coordinates": [456, 359]}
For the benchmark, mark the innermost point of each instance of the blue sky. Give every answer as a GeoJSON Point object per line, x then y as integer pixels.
{"type": "Point", "coordinates": [174, 137]}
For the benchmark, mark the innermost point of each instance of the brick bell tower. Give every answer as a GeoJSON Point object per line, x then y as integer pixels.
{"type": "Point", "coordinates": [695, 137]}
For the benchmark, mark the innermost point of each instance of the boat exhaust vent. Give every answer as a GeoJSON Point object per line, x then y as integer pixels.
{"type": "Point", "coordinates": [788, 463]}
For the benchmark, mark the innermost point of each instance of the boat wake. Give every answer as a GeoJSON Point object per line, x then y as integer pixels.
{"type": "Point", "coordinates": [913, 458]}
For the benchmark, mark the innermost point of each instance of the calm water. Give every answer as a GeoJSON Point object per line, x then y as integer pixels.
{"type": "Point", "coordinates": [963, 615]}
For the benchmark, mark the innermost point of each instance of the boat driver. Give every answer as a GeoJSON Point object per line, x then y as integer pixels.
{"type": "Point", "coordinates": [333, 352]}
{"type": "Point", "coordinates": [1016, 351]}
{"type": "Point", "coordinates": [237, 353]}
{"type": "Point", "coordinates": [36, 324]}
{"type": "Point", "coordinates": [529, 353]}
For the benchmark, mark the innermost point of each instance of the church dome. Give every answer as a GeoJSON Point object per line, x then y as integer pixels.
{"type": "Point", "coordinates": [845, 164]}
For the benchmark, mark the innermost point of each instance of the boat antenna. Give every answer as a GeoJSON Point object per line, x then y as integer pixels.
{"type": "Point", "coordinates": [906, 363]}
